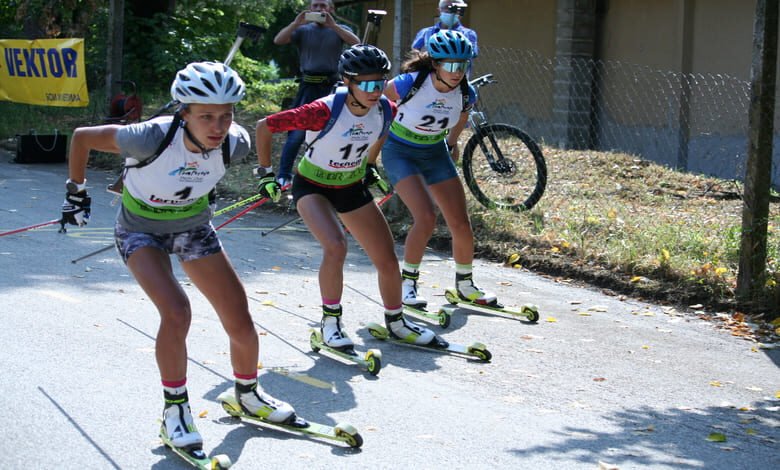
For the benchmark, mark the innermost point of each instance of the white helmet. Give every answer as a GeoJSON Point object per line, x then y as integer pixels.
{"type": "Point", "coordinates": [207, 83]}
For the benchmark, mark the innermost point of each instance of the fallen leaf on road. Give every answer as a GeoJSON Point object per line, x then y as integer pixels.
{"type": "Point", "coordinates": [203, 414]}
{"type": "Point", "coordinates": [715, 383]}
{"type": "Point", "coordinates": [267, 302]}
{"type": "Point", "coordinates": [777, 395]}
{"type": "Point", "coordinates": [755, 389]}
{"type": "Point", "coordinates": [599, 379]}
{"type": "Point", "coordinates": [598, 308]}
{"type": "Point", "coordinates": [504, 283]}
{"type": "Point", "coordinates": [551, 320]}
{"type": "Point", "coordinates": [607, 466]}
{"type": "Point", "coordinates": [584, 314]}
{"type": "Point", "coordinates": [276, 268]}
{"type": "Point", "coordinates": [716, 437]}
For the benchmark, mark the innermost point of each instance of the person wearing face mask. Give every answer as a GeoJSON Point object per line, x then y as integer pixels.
{"type": "Point", "coordinates": [450, 12]}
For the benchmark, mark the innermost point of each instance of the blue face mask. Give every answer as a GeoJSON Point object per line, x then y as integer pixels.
{"type": "Point", "coordinates": [448, 19]}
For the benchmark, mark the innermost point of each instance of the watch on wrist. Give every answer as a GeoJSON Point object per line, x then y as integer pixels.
{"type": "Point", "coordinates": [260, 171]}
{"type": "Point", "coordinates": [73, 188]}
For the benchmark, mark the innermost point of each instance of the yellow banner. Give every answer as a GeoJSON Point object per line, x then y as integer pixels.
{"type": "Point", "coordinates": [48, 72]}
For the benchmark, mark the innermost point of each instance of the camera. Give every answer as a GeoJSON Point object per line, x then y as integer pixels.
{"type": "Point", "coordinates": [315, 16]}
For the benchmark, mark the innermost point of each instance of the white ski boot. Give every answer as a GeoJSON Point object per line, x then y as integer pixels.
{"type": "Point", "coordinates": [258, 403]}
{"type": "Point", "coordinates": [410, 332]}
{"type": "Point", "coordinates": [332, 334]}
{"type": "Point", "coordinates": [469, 292]}
{"type": "Point", "coordinates": [409, 291]}
{"type": "Point", "coordinates": [178, 425]}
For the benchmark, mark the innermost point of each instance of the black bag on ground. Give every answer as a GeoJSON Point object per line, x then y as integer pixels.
{"type": "Point", "coordinates": [46, 148]}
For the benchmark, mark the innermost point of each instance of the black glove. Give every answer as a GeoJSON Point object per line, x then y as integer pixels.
{"type": "Point", "coordinates": [268, 187]}
{"type": "Point", "coordinates": [372, 178]}
{"type": "Point", "coordinates": [77, 208]}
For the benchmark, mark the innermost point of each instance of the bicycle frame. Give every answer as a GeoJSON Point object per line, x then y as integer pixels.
{"type": "Point", "coordinates": [478, 121]}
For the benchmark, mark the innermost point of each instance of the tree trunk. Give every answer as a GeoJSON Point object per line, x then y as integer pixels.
{"type": "Point", "coordinates": [755, 211]}
{"type": "Point", "coordinates": [114, 50]}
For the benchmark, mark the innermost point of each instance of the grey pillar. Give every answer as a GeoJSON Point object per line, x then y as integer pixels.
{"type": "Point", "coordinates": [572, 86]}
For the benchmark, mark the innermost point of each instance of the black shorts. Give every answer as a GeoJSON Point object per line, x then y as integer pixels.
{"type": "Point", "coordinates": [344, 199]}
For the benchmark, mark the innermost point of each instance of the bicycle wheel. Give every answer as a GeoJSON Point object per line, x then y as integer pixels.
{"type": "Point", "coordinates": [504, 168]}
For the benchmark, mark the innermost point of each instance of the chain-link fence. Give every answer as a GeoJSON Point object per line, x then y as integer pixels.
{"type": "Point", "coordinates": [694, 122]}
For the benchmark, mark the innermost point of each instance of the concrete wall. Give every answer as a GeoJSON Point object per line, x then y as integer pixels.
{"type": "Point", "coordinates": [670, 77]}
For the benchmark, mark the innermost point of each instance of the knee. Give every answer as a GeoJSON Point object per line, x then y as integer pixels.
{"type": "Point", "coordinates": [461, 227]}
{"type": "Point", "coordinates": [387, 265]}
{"type": "Point", "coordinates": [335, 248]}
{"type": "Point", "coordinates": [176, 317]}
{"type": "Point", "coordinates": [241, 329]}
{"type": "Point", "coordinates": [425, 221]}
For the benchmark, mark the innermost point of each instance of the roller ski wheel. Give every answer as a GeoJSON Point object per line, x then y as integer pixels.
{"type": "Point", "coordinates": [196, 457]}
{"type": "Point", "coordinates": [442, 317]}
{"type": "Point", "coordinates": [341, 432]}
{"type": "Point", "coordinates": [475, 350]}
{"type": "Point", "coordinates": [527, 311]}
{"type": "Point", "coordinates": [372, 361]}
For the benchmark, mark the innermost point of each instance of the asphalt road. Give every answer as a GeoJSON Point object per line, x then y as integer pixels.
{"type": "Point", "coordinates": [597, 379]}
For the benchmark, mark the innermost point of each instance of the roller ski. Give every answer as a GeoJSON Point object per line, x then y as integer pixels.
{"type": "Point", "coordinates": [417, 306]}
{"type": "Point", "coordinates": [372, 361]}
{"type": "Point", "coordinates": [196, 457]}
{"type": "Point", "coordinates": [331, 338]}
{"type": "Point", "coordinates": [178, 433]}
{"type": "Point", "coordinates": [401, 331]}
{"type": "Point", "coordinates": [266, 410]}
{"type": "Point", "coordinates": [469, 295]}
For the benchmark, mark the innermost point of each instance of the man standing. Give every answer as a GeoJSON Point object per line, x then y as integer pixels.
{"type": "Point", "coordinates": [450, 12]}
{"type": "Point", "coordinates": [320, 42]}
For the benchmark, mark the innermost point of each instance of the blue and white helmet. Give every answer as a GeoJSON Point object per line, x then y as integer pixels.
{"type": "Point", "coordinates": [207, 83]}
{"type": "Point", "coordinates": [449, 44]}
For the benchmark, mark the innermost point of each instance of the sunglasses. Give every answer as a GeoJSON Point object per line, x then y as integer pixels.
{"type": "Point", "coordinates": [454, 67]}
{"type": "Point", "coordinates": [370, 86]}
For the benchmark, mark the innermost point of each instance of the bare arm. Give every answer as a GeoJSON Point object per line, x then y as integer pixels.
{"type": "Point", "coordinates": [452, 136]}
{"type": "Point", "coordinates": [284, 36]}
{"type": "Point", "coordinates": [100, 138]}
{"type": "Point", "coordinates": [347, 36]}
{"type": "Point", "coordinates": [373, 151]}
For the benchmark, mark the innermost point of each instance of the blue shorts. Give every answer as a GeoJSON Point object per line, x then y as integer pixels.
{"type": "Point", "coordinates": [199, 242]}
{"type": "Point", "coordinates": [433, 162]}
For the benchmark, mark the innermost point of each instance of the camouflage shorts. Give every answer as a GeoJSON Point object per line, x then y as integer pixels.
{"type": "Point", "coordinates": [199, 242]}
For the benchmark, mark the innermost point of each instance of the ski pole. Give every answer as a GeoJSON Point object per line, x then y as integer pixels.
{"type": "Point", "coordinates": [238, 204]}
{"type": "Point", "coordinates": [89, 255]}
{"type": "Point", "coordinates": [282, 225]}
{"type": "Point", "coordinates": [374, 18]}
{"type": "Point", "coordinates": [240, 214]}
{"type": "Point", "coordinates": [31, 227]}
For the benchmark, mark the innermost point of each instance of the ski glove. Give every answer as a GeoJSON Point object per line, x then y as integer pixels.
{"type": "Point", "coordinates": [373, 178]}
{"type": "Point", "coordinates": [77, 208]}
{"type": "Point", "coordinates": [268, 187]}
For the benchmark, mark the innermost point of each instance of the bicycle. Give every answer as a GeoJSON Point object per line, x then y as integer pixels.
{"type": "Point", "coordinates": [503, 166]}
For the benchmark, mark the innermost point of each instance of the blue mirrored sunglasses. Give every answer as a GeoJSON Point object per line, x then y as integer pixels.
{"type": "Point", "coordinates": [453, 67]}
{"type": "Point", "coordinates": [370, 86]}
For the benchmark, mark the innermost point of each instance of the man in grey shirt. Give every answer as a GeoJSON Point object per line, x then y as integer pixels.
{"type": "Point", "coordinates": [320, 42]}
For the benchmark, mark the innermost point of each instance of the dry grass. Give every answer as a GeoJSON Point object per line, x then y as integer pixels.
{"type": "Point", "coordinates": [634, 227]}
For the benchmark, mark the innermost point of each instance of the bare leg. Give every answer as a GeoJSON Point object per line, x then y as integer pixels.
{"type": "Point", "coordinates": [417, 199]}
{"type": "Point", "coordinates": [152, 269]}
{"type": "Point", "coordinates": [215, 277]}
{"type": "Point", "coordinates": [370, 229]}
{"type": "Point", "coordinates": [320, 218]}
{"type": "Point", "coordinates": [451, 200]}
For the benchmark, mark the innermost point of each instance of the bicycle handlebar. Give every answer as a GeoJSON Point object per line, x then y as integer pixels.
{"type": "Point", "coordinates": [483, 80]}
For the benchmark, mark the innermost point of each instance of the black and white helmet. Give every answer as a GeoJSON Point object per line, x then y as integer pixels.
{"type": "Point", "coordinates": [363, 59]}
{"type": "Point", "coordinates": [207, 83]}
